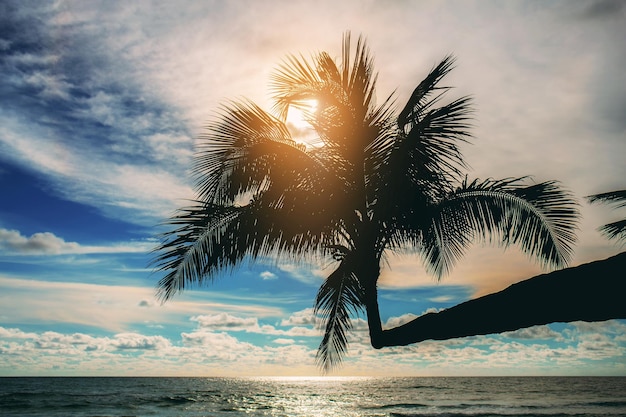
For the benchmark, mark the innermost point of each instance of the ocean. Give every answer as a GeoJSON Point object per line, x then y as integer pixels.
{"type": "Point", "coordinates": [314, 397]}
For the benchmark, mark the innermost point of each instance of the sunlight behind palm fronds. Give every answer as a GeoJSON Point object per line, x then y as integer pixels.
{"type": "Point", "coordinates": [375, 181]}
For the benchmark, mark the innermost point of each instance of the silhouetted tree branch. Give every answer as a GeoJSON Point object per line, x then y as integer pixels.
{"type": "Point", "coordinates": [589, 292]}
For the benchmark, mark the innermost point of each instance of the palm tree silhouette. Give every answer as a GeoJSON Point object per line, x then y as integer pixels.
{"type": "Point", "coordinates": [615, 230]}
{"type": "Point", "coordinates": [375, 182]}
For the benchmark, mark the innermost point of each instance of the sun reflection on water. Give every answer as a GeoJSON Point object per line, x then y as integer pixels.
{"type": "Point", "coordinates": [322, 396]}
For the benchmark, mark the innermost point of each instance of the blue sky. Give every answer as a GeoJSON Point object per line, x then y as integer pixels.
{"type": "Point", "coordinates": [100, 102]}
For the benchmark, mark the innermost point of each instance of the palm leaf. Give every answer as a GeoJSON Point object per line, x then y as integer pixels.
{"type": "Point", "coordinates": [615, 230]}
{"type": "Point", "coordinates": [239, 151]}
{"type": "Point", "coordinates": [418, 100]}
{"type": "Point", "coordinates": [338, 297]}
{"type": "Point", "coordinates": [345, 95]}
{"type": "Point", "coordinates": [423, 158]}
{"type": "Point", "coordinates": [445, 240]}
{"type": "Point", "coordinates": [189, 251]}
{"type": "Point", "coordinates": [541, 218]}
{"type": "Point", "coordinates": [208, 239]}
{"type": "Point", "coordinates": [612, 197]}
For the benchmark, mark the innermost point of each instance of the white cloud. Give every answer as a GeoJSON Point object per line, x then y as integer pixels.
{"type": "Point", "coordinates": [46, 243]}
{"type": "Point", "coordinates": [15, 334]}
{"type": "Point", "coordinates": [111, 307]}
{"type": "Point", "coordinates": [307, 273]}
{"type": "Point", "coordinates": [38, 243]}
{"type": "Point", "coordinates": [228, 322]}
{"type": "Point", "coordinates": [300, 318]}
{"type": "Point", "coordinates": [267, 275]}
{"type": "Point", "coordinates": [224, 321]}
{"type": "Point", "coordinates": [535, 332]}
{"type": "Point", "coordinates": [399, 321]}
{"type": "Point", "coordinates": [140, 342]}
{"type": "Point", "coordinates": [282, 341]}
{"type": "Point", "coordinates": [92, 176]}
{"type": "Point", "coordinates": [209, 352]}
{"type": "Point", "coordinates": [441, 299]}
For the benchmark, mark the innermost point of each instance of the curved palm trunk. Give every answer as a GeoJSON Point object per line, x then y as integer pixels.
{"type": "Point", "coordinates": [589, 292]}
{"type": "Point", "coordinates": [377, 334]}
{"type": "Point", "coordinates": [368, 272]}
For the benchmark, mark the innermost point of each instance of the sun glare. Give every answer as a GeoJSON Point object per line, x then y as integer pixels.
{"type": "Point", "coordinates": [298, 113]}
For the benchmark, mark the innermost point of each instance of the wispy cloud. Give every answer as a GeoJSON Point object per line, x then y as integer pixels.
{"type": "Point", "coordinates": [100, 138]}
{"type": "Point", "coordinates": [46, 243]}
{"type": "Point", "coordinates": [110, 307]}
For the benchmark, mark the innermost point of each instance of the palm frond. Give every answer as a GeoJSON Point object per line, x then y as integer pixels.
{"type": "Point", "coordinates": [207, 238]}
{"type": "Point", "coordinates": [295, 80]}
{"type": "Point", "coordinates": [422, 166]}
{"type": "Point", "coordinates": [428, 86]}
{"type": "Point", "coordinates": [345, 94]}
{"type": "Point", "coordinates": [338, 297]}
{"type": "Point", "coordinates": [242, 150]}
{"type": "Point", "coordinates": [423, 158]}
{"type": "Point", "coordinates": [617, 197]}
{"type": "Point", "coordinates": [190, 251]}
{"type": "Point", "coordinates": [445, 240]}
{"type": "Point", "coordinates": [360, 80]}
{"type": "Point", "coordinates": [434, 139]}
{"type": "Point", "coordinates": [615, 230]}
{"type": "Point", "coordinates": [541, 218]}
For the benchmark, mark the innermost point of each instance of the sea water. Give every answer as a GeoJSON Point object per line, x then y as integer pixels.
{"type": "Point", "coordinates": [314, 397]}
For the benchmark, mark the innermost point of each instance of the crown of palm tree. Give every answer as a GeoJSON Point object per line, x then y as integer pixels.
{"type": "Point", "coordinates": [375, 181]}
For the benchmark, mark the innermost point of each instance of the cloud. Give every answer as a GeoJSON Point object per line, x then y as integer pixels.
{"type": "Point", "coordinates": [228, 322]}
{"type": "Point", "coordinates": [535, 332]}
{"type": "Point", "coordinates": [200, 352]}
{"type": "Point", "coordinates": [282, 341]}
{"type": "Point", "coordinates": [307, 273]}
{"type": "Point", "coordinates": [15, 334]}
{"type": "Point", "coordinates": [137, 341]}
{"type": "Point", "coordinates": [102, 138]}
{"type": "Point", "coordinates": [224, 321]}
{"type": "Point", "coordinates": [205, 351]}
{"type": "Point", "coordinates": [441, 299]}
{"type": "Point", "coordinates": [300, 318]}
{"type": "Point", "coordinates": [399, 321]}
{"type": "Point", "coordinates": [46, 243]}
{"type": "Point", "coordinates": [38, 243]}
{"type": "Point", "coordinates": [267, 275]}
{"type": "Point", "coordinates": [110, 307]}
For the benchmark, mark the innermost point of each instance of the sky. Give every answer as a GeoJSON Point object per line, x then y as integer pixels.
{"type": "Point", "coordinates": [101, 103]}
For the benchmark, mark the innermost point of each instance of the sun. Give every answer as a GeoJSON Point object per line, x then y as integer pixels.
{"type": "Point", "coordinates": [298, 113]}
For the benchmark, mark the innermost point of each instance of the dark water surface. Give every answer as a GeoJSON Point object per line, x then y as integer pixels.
{"type": "Point", "coordinates": [380, 397]}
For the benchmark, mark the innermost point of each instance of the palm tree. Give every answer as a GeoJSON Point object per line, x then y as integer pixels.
{"type": "Point", "coordinates": [615, 230]}
{"type": "Point", "coordinates": [375, 182]}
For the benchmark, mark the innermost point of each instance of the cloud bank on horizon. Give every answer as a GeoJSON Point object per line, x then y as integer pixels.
{"type": "Point", "coordinates": [101, 103]}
